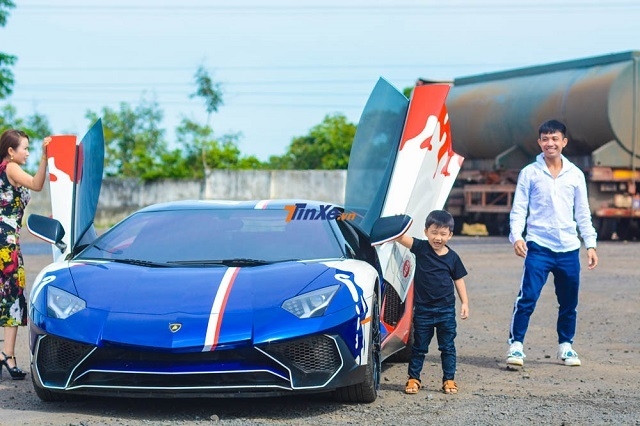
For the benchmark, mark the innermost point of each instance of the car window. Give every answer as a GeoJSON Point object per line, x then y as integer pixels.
{"type": "Point", "coordinates": [209, 235]}
{"type": "Point", "coordinates": [373, 154]}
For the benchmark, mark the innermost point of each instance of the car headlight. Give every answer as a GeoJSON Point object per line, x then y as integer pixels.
{"type": "Point", "coordinates": [312, 304]}
{"type": "Point", "coordinates": [61, 304]}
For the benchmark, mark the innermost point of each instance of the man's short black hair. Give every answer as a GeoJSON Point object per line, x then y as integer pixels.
{"type": "Point", "coordinates": [441, 219]}
{"type": "Point", "coordinates": [552, 126]}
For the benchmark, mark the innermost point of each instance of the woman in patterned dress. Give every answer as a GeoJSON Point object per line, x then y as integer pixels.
{"type": "Point", "coordinates": [15, 184]}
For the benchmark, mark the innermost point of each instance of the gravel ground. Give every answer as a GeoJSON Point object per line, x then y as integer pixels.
{"type": "Point", "coordinates": [604, 390]}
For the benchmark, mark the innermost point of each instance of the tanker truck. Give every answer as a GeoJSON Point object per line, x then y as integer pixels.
{"type": "Point", "coordinates": [494, 122]}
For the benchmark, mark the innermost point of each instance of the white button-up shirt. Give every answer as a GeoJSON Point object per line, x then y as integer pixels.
{"type": "Point", "coordinates": [552, 209]}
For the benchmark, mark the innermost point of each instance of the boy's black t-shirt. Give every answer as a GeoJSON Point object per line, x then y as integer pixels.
{"type": "Point", "coordinates": [433, 281]}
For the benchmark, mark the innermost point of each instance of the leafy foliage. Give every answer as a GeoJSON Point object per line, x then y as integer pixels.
{"type": "Point", "coordinates": [326, 147]}
{"type": "Point", "coordinates": [208, 90]}
{"type": "Point", "coordinates": [6, 60]}
{"type": "Point", "coordinates": [36, 125]}
{"type": "Point", "coordinates": [200, 147]}
{"type": "Point", "coordinates": [134, 140]}
{"type": "Point", "coordinates": [136, 145]}
{"type": "Point", "coordinates": [5, 5]}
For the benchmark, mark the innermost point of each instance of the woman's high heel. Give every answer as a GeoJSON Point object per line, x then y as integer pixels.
{"type": "Point", "coordinates": [14, 372]}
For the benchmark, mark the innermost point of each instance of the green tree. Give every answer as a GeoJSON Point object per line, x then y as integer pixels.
{"type": "Point", "coordinates": [201, 149]}
{"type": "Point", "coordinates": [134, 140]}
{"type": "Point", "coordinates": [199, 142]}
{"type": "Point", "coordinates": [173, 166]}
{"type": "Point", "coordinates": [36, 125]}
{"type": "Point", "coordinates": [250, 162]}
{"type": "Point", "coordinates": [279, 162]}
{"type": "Point", "coordinates": [6, 60]}
{"type": "Point", "coordinates": [326, 147]}
{"type": "Point", "coordinates": [211, 93]}
{"type": "Point", "coordinates": [9, 118]}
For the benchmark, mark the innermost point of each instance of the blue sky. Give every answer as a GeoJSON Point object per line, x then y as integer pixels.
{"type": "Point", "coordinates": [283, 64]}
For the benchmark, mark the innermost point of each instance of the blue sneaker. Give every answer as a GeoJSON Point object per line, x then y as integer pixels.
{"type": "Point", "coordinates": [568, 355]}
{"type": "Point", "coordinates": [516, 355]}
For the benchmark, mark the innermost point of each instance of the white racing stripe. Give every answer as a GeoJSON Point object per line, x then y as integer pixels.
{"type": "Point", "coordinates": [217, 310]}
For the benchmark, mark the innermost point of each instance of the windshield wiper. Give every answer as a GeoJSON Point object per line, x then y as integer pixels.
{"type": "Point", "coordinates": [99, 248]}
{"type": "Point", "coordinates": [238, 261]}
{"type": "Point", "coordinates": [140, 262]}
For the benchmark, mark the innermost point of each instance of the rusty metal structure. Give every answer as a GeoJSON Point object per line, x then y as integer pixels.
{"type": "Point", "coordinates": [494, 122]}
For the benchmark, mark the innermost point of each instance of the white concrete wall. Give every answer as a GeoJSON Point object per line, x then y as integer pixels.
{"type": "Point", "coordinates": [120, 197]}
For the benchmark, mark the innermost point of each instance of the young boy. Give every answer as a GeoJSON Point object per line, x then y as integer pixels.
{"type": "Point", "coordinates": [438, 270]}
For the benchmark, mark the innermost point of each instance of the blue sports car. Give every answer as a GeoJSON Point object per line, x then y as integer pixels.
{"type": "Point", "coordinates": [231, 298]}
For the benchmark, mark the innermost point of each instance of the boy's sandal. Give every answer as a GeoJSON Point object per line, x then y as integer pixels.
{"type": "Point", "coordinates": [412, 386]}
{"type": "Point", "coordinates": [449, 386]}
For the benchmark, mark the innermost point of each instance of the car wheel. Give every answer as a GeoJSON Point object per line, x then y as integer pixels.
{"type": "Point", "coordinates": [367, 391]}
{"type": "Point", "coordinates": [46, 395]}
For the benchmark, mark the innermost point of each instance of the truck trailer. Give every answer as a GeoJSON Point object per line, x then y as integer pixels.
{"type": "Point", "coordinates": [494, 122]}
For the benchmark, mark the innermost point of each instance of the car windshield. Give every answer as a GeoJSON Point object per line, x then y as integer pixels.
{"type": "Point", "coordinates": [240, 237]}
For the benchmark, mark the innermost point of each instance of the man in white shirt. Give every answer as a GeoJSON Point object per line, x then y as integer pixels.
{"type": "Point", "coordinates": [551, 201]}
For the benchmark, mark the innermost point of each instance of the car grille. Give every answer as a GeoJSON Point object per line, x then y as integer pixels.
{"type": "Point", "coordinates": [317, 354]}
{"type": "Point", "coordinates": [316, 357]}
{"type": "Point", "coordinates": [57, 358]}
{"type": "Point", "coordinates": [307, 362]}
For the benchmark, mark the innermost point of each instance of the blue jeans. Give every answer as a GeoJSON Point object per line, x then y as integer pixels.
{"type": "Point", "coordinates": [426, 321]}
{"type": "Point", "coordinates": [565, 267]}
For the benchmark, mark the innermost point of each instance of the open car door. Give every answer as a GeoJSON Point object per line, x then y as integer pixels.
{"type": "Point", "coordinates": [402, 162]}
{"type": "Point", "coordinates": [75, 179]}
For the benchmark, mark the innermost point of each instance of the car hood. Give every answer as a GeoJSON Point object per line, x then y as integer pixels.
{"type": "Point", "coordinates": [193, 308]}
{"type": "Point", "coordinates": [132, 289]}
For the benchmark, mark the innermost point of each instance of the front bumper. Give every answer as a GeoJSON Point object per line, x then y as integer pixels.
{"type": "Point", "coordinates": [309, 364]}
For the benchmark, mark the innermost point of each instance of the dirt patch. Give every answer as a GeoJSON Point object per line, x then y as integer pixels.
{"type": "Point", "coordinates": [605, 389]}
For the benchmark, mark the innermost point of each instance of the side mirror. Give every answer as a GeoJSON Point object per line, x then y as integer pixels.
{"type": "Point", "coordinates": [47, 229]}
{"type": "Point", "coordinates": [389, 228]}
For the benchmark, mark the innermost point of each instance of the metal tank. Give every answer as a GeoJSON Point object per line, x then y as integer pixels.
{"type": "Point", "coordinates": [496, 116]}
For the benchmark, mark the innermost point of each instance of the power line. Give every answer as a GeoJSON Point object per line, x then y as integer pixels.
{"type": "Point", "coordinates": [175, 92]}
{"type": "Point", "coordinates": [391, 8]}
{"type": "Point", "coordinates": [190, 85]}
{"type": "Point", "coordinates": [261, 67]}
{"type": "Point", "coordinates": [314, 105]}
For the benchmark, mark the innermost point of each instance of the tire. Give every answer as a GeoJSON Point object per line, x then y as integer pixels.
{"type": "Point", "coordinates": [367, 391]}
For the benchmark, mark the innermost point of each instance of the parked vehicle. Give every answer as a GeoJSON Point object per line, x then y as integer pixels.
{"type": "Point", "coordinates": [494, 119]}
{"type": "Point", "coordinates": [239, 298]}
